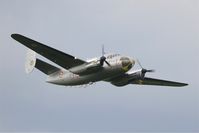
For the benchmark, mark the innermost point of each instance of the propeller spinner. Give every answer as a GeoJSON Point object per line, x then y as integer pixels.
{"type": "Point", "coordinates": [143, 70]}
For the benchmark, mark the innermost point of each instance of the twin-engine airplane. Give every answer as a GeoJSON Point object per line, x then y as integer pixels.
{"type": "Point", "coordinates": [112, 68]}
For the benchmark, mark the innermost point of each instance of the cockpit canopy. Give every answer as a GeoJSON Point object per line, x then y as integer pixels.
{"type": "Point", "coordinates": [127, 63]}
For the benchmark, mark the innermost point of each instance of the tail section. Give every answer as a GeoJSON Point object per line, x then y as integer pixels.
{"type": "Point", "coordinates": [33, 62]}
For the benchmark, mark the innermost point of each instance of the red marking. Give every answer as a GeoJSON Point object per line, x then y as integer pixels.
{"type": "Point", "coordinates": [61, 73]}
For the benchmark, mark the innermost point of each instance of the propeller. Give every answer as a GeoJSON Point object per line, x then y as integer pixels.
{"type": "Point", "coordinates": [103, 58]}
{"type": "Point", "coordinates": [144, 71]}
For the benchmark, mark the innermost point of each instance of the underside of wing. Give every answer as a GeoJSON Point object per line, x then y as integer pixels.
{"type": "Point", "coordinates": [159, 82]}
{"type": "Point", "coordinates": [62, 59]}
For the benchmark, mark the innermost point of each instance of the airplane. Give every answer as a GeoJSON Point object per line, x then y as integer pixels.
{"type": "Point", "coordinates": [72, 71]}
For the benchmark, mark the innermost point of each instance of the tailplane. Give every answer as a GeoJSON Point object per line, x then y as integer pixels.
{"type": "Point", "coordinates": [46, 68]}
{"type": "Point", "coordinates": [33, 62]}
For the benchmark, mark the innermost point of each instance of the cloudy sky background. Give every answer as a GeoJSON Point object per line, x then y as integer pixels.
{"type": "Point", "coordinates": [163, 35]}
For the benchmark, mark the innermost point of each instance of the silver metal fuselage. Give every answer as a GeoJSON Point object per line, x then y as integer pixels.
{"type": "Point", "coordinates": [67, 78]}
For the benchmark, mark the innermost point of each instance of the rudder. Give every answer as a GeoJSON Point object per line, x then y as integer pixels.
{"type": "Point", "coordinates": [30, 61]}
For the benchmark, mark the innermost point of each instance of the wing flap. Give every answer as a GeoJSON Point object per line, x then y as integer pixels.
{"type": "Point", "coordinates": [159, 82]}
{"type": "Point", "coordinates": [62, 59]}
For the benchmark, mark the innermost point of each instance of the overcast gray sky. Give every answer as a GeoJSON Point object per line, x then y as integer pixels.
{"type": "Point", "coordinates": [163, 35]}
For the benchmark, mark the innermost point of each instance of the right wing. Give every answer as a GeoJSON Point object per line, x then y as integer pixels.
{"type": "Point", "coordinates": [159, 82]}
{"type": "Point", "coordinates": [62, 59]}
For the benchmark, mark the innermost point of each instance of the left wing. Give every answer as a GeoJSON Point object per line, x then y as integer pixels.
{"type": "Point", "coordinates": [152, 81]}
{"type": "Point", "coordinates": [62, 59]}
{"type": "Point", "coordinates": [137, 78]}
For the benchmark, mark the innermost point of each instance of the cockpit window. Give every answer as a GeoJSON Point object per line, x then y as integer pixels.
{"type": "Point", "coordinates": [125, 61]}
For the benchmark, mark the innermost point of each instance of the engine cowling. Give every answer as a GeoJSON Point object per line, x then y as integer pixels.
{"type": "Point", "coordinates": [121, 83]}
{"type": "Point", "coordinates": [127, 78]}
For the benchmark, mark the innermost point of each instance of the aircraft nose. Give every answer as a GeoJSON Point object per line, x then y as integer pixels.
{"type": "Point", "coordinates": [127, 63]}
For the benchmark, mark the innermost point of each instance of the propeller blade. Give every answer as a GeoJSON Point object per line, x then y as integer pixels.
{"type": "Point", "coordinates": [107, 63]}
{"type": "Point", "coordinates": [103, 52]}
{"type": "Point", "coordinates": [151, 70]}
{"type": "Point", "coordinates": [139, 63]}
{"type": "Point", "coordinates": [145, 70]}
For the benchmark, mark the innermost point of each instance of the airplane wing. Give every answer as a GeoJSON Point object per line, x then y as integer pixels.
{"type": "Point", "coordinates": [159, 82]}
{"type": "Point", "coordinates": [62, 59]}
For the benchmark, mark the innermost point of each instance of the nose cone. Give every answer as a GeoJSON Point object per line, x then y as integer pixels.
{"type": "Point", "coordinates": [127, 63]}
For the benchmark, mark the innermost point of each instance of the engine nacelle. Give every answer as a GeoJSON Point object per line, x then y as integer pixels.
{"type": "Point", "coordinates": [137, 74]}
{"type": "Point", "coordinates": [120, 82]}
{"type": "Point", "coordinates": [127, 78]}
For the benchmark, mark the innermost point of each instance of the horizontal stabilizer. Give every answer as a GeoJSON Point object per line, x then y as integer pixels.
{"type": "Point", "coordinates": [45, 67]}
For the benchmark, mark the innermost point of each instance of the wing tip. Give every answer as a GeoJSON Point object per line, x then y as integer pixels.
{"type": "Point", "coordinates": [185, 84]}
{"type": "Point", "coordinates": [181, 84]}
{"type": "Point", "coordinates": [15, 35]}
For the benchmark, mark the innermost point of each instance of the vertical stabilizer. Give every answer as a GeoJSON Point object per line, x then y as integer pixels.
{"type": "Point", "coordinates": [30, 61]}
